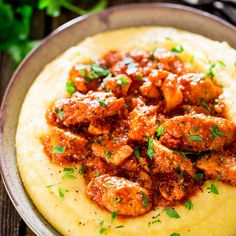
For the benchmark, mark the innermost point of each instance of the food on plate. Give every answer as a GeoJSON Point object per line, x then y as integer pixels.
{"type": "Point", "coordinates": [133, 135]}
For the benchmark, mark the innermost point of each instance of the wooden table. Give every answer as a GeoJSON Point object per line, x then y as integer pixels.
{"type": "Point", "coordinates": [10, 222]}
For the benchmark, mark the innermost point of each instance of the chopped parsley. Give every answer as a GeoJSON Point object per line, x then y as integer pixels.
{"type": "Point", "coordinates": [195, 138]}
{"type": "Point", "coordinates": [60, 113]}
{"type": "Point", "coordinates": [181, 175]}
{"type": "Point", "coordinates": [113, 215]}
{"type": "Point", "coordinates": [96, 174]}
{"type": "Point", "coordinates": [136, 152]}
{"type": "Point", "coordinates": [116, 141]}
{"type": "Point", "coordinates": [107, 184]}
{"type": "Point", "coordinates": [102, 229]}
{"type": "Point", "coordinates": [107, 155]}
{"type": "Point", "coordinates": [195, 130]}
{"type": "Point", "coordinates": [119, 226]}
{"type": "Point", "coordinates": [58, 150]}
{"type": "Point", "coordinates": [189, 205]}
{"type": "Point", "coordinates": [198, 176]}
{"type": "Point", "coordinates": [82, 169]}
{"type": "Point", "coordinates": [126, 106]}
{"type": "Point", "coordinates": [100, 71]}
{"type": "Point", "coordinates": [215, 132]}
{"type": "Point", "coordinates": [160, 130]}
{"type": "Point", "coordinates": [61, 192]}
{"type": "Point", "coordinates": [154, 221]}
{"type": "Point", "coordinates": [69, 176]}
{"type": "Point", "coordinates": [205, 104]}
{"type": "Point", "coordinates": [221, 63]}
{"type": "Point", "coordinates": [122, 80]}
{"type": "Point", "coordinates": [152, 54]}
{"type": "Point", "coordinates": [102, 103]}
{"type": "Point", "coordinates": [210, 72]}
{"type": "Point", "coordinates": [150, 150]}
{"type": "Point", "coordinates": [177, 50]}
{"type": "Point", "coordinates": [175, 234]}
{"type": "Point", "coordinates": [70, 87]}
{"type": "Point", "coordinates": [117, 200]}
{"type": "Point", "coordinates": [213, 188]}
{"type": "Point", "coordinates": [69, 170]}
{"type": "Point", "coordinates": [144, 200]}
{"type": "Point", "coordinates": [171, 212]}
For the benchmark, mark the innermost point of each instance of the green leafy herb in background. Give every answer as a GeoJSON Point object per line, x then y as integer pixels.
{"type": "Point", "coordinates": [17, 16]}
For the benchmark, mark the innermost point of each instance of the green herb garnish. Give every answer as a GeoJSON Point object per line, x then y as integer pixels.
{"type": "Point", "coordinates": [82, 169]}
{"type": "Point", "coordinates": [60, 113]}
{"type": "Point", "coordinates": [58, 150]}
{"type": "Point", "coordinates": [195, 138]}
{"type": "Point", "coordinates": [189, 205]}
{"type": "Point", "coordinates": [117, 200]}
{"type": "Point", "coordinates": [96, 174]}
{"type": "Point", "coordinates": [210, 72]}
{"type": "Point", "coordinates": [69, 176]}
{"type": "Point", "coordinates": [215, 132]}
{"type": "Point", "coordinates": [102, 229]}
{"type": "Point", "coordinates": [61, 192]}
{"type": "Point", "coordinates": [107, 155]}
{"type": "Point", "coordinates": [113, 215]}
{"type": "Point", "coordinates": [198, 176]}
{"type": "Point", "coordinates": [177, 50]}
{"type": "Point", "coordinates": [144, 200]}
{"type": "Point", "coordinates": [150, 150]}
{"type": "Point", "coordinates": [205, 104]}
{"type": "Point", "coordinates": [70, 87]}
{"type": "Point", "coordinates": [160, 130]}
{"type": "Point", "coordinates": [175, 234]}
{"type": "Point", "coordinates": [119, 226]}
{"type": "Point", "coordinates": [122, 80]}
{"type": "Point", "coordinates": [102, 103]}
{"type": "Point", "coordinates": [136, 152]}
{"type": "Point", "coordinates": [171, 212]}
{"type": "Point", "coordinates": [69, 170]}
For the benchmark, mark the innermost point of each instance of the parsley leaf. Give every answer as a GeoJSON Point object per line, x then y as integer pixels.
{"type": "Point", "coordinates": [175, 234]}
{"type": "Point", "coordinates": [189, 205]}
{"type": "Point", "coordinates": [210, 72]}
{"type": "Point", "coordinates": [215, 132]}
{"type": "Point", "coordinates": [177, 50]}
{"type": "Point", "coordinates": [195, 138]}
{"type": "Point", "coordinates": [61, 192]}
{"type": "Point", "coordinates": [60, 113]}
{"type": "Point", "coordinates": [136, 152]}
{"type": "Point", "coordinates": [107, 155]}
{"type": "Point", "coordinates": [198, 176]}
{"type": "Point", "coordinates": [122, 80]}
{"type": "Point", "coordinates": [113, 215]}
{"type": "Point", "coordinates": [144, 200]}
{"type": "Point", "coordinates": [53, 7]}
{"type": "Point", "coordinates": [96, 174]}
{"type": "Point", "coordinates": [70, 87]}
{"type": "Point", "coordinates": [58, 149]}
{"type": "Point", "coordinates": [160, 130]}
{"type": "Point", "coordinates": [69, 176]}
{"type": "Point", "coordinates": [69, 170]}
{"type": "Point", "coordinates": [214, 189]}
{"type": "Point", "coordinates": [82, 169]}
{"type": "Point", "coordinates": [102, 229]}
{"type": "Point", "coordinates": [119, 226]}
{"type": "Point", "coordinates": [171, 212]}
{"type": "Point", "coordinates": [117, 200]}
{"type": "Point", "coordinates": [150, 150]}
{"type": "Point", "coordinates": [102, 103]}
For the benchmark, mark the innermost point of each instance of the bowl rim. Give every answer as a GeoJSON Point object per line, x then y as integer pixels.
{"type": "Point", "coordinates": [64, 27]}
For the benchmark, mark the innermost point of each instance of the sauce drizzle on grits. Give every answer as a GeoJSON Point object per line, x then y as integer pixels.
{"type": "Point", "coordinates": [147, 131]}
